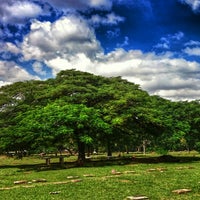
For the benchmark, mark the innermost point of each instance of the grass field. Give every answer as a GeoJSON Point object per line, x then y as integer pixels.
{"type": "Point", "coordinates": [99, 180]}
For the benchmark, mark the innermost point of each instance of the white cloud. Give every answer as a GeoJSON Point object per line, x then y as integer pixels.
{"type": "Point", "coordinates": [38, 68]}
{"type": "Point", "coordinates": [6, 32]}
{"type": "Point", "coordinates": [109, 19]}
{"type": "Point", "coordinates": [177, 36]}
{"type": "Point", "coordinates": [79, 62]}
{"type": "Point", "coordinates": [104, 4]}
{"type": "Point", "coordinates": [167, 41]}
{"type": "Point", "coordinates": [113, 33]}
{"type": "Point", "coordinates": [160, 75]}
{"type": "Point", "coordinates": [70, 43]}
{"type": "Point", "coordinates": [181, 94]}
{"type": "Point", "coordinates": [81, 4]}
{"type": "Point", "coordinates": [124, 43]}
{"type": "Point", "coordinates": [192, 51]}
{"type": "Point", "coordinates": [64, 38]}
{"type": "Point", "coordinates": [162, 46]}
{"type": "Point", "coordinates": [192, 43]}
{"type": "Point", "coordinates": [194, 4]}
{"type": "Point", "coordinates": [156, 74]}
{"type": "Point", "coordinates": [10, 72]}
{"type": "Point", "coordinates": [17, 11]}
{"type": "Point", "coordinates": [9, 47]}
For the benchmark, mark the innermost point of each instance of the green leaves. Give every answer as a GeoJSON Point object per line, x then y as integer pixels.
{"type": "Point", "coordinates": [93, 109]}
{"type": "Point", "coordinates": [86, 139]}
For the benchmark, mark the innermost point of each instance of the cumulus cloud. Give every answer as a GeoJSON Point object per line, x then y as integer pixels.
{"type": "Point", "coordinates": [177, 36]}
{"type": "Point", "coordinates": [161, 75]}
{"type": "Point", "coordinates": [10, 72]}
{"type": "Point", "coordinates": [8, 50]}
{"type": "Point", "coordinates": [38, 68]}
{"type": "Point", "coordinates": [79, 62]}
{"type": "Point", "coordinates": [81, 4]}
{"type": "Point", "coordinates": [181, 94]}
{"type": "Point", "coordinates": [194, 4]}
{"type": "Point", "coordinates": [99, 3]}
{"type": "Point", "coordinates": [195, 51]}
{"type": "Point", "coordinates": [162, 46]}
{"type": "Point", "coordinates": [9, 47]}
{"type": "Point", "coordinates": [124, 43]}
{"type": "Point", "coordinates": [70, 43]}
{"type": "Point", "coordinates": [15, 11]}
{"type": "Point", "coordinates": [167, 41]}
{"type": "Point", "coordinates": [113, 33]}
{"type": "Point", "coordinates": [192, 43]}
{"type": "Point", "coordinates": [7, 32]}
{"type": "Point", "coordinates": [67, 36]}
{"type": "Point", "coordinates": [109, 19]}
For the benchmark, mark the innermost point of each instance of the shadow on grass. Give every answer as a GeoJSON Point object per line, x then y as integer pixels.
{"type": "Point", "coordinates": [40, 167]}
{"type": "Point", "coordinates": [147, 160]}
{"type": "Point", "coordinates": [104, 162]}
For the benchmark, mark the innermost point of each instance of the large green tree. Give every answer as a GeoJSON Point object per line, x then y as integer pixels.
{"type": "Point", "coordinates": [59, 123]}
{"type": "Point", "coordinates": [80, 109]}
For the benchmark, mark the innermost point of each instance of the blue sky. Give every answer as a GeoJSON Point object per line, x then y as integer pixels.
{"type": "Point", "coordinates": [153, 43]}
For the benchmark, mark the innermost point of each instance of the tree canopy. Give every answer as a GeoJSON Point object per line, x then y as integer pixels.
{"type": "Point", "coordinates": [78, 109]}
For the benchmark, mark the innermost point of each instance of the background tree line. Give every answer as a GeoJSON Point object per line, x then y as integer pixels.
{"type": "Point", "coordinates": [81, 111]}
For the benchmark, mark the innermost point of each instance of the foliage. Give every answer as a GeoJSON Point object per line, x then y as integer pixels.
{"type": "Point", "coordinates": [78, 109]}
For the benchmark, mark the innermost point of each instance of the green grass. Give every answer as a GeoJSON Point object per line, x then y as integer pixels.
{"type": "Point", "coordinates": [156, 184]}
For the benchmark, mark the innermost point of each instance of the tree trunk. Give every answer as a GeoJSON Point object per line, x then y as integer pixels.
{"type": "Point", "coordinates": [47, 161]}
{"type": "Point", "coordinates": [61, 160]}
{"type": "Point", "coordinates": [81, 153]}
{"type": "Point", "coordinates": [109, 151]}
{"type": "Point", "coordinates": [144, 146]}
{"type": "Point", "coordinates": [88, 151]}
{"type": "Point", "coordinates": [126, 147]}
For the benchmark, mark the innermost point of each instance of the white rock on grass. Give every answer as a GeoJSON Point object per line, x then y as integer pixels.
{"type": "Point", "coordinates": [88, 175]}
{"type": "Point", "coordinates": [114, 172]}
{"type": "Point", "coordinates": [39, 180]}
{"type": "Point", "coordinates": [21, 182]}
{"type": "Point", "coordinates": [76, 180]}
{"type": "Point", "coordinates": [136, 198]}
{"type": "Point", "coordinates": [56, 192]}
{"type": "Point", "coordinates": [129, 172]}
{"type": "Point", "coordinates": [72, 177]}
{"type": "Point", "coordinates": [182, 191]}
